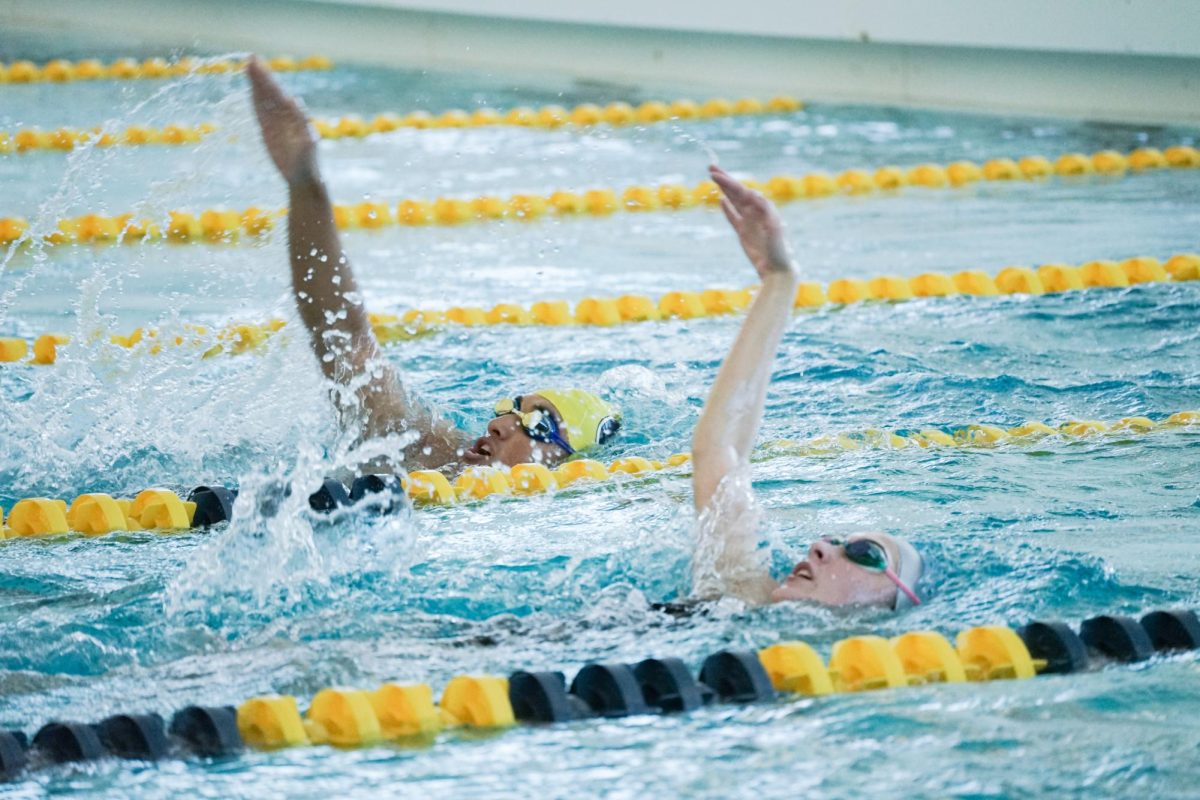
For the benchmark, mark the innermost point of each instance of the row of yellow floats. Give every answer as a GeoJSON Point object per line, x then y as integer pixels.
{"type": "Point", "coordinates": [346, 717]}
{"type": "Point", "coordinates": [96, 514]}
{"type": "Point", "coordinates": [430, 487]}
{"type": "Point", "coordinates": [243, 337]}
{"type": "Point", "coordinates": [227, 225]}
{"type": "Point", "coordinates": [233, 339]}
{"type": "Point", "coordinates": [979, 434]}
{"type": "Point", "coordinates": [66, 139]}
{"type": "Point", "coordinates": [585, 115]}
{"type": "Point", "coordinates": [549, 117]}
{"type": "Point", "coordinates": [1048, 278]}
{"type": "Point", "coordinates": [91, 69]}
{"type": "Point", "coordinates": [160, 509]}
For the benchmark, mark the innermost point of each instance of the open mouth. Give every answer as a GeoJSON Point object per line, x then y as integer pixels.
{"type": "Point", "coordinates": [478, 452]}
{"type": "Point", "coordinates": [803, 570]}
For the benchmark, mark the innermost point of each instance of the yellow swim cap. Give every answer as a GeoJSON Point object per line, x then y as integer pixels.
{"type": "Point", "coordinates": [590, 421]}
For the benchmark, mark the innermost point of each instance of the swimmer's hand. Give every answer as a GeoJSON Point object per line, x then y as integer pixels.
{"type": "Point", "coordinates": [285, 129]}
{"type": "Point", "coordinates": [757, 224]}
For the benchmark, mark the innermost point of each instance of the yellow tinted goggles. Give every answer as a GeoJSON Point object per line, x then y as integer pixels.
{"type": "Point", "coordinates": [538, 424]}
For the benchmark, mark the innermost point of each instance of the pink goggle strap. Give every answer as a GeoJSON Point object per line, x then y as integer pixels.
{"type": "Point", "coordinates": [894, 578]}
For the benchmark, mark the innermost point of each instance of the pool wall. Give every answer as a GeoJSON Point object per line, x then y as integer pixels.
{"type": "Point", "coordinates": [1098, 59]}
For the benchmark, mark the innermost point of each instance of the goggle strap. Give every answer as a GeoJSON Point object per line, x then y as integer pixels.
{"type": "Point", "coordinates": [894, 578]}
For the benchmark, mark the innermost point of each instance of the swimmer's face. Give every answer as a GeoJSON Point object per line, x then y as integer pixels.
{"type": "Point", "coordinates": [506, 443]}
{"type": "Point", "coordinates": [828, 577]}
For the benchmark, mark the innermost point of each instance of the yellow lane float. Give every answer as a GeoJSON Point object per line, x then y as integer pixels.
{"type": "Point", "coordinates": [90, 69]}
{"type": "Point", "coordinates": [526, 207]}
{"type": "Point", "coordinates": [162, 510]}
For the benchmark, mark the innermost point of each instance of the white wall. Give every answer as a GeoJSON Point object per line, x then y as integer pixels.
{"type": "Point", "coordinates": [1143, 27]}
{"type": "Point", "coordinates": [1118, 60]}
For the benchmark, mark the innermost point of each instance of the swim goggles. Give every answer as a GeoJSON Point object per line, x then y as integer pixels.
{"type": "Point", "coordinates": [870, 554]}
{"type": "Point", "coordinates": [540, 425]}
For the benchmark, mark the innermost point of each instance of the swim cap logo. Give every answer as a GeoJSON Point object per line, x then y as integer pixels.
{"type": "Point", "coordinates": [607, 429]}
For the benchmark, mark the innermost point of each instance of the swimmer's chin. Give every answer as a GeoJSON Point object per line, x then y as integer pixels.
{"type": "Point", "coordinates": [799, 585]}
{"type": "Point", "coordinates": [787, 592]}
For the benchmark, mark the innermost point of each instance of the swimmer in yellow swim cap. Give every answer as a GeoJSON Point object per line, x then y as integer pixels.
{"type": "Point", "coordinates": [567, 420]}
{"type": "Point", "coordinates": [546, 426]}
{"type": "Point", "coordinates": [872, 569]}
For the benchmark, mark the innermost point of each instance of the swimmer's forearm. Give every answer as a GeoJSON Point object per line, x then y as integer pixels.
{"type": "Point", "coordinates": [735, 407]}
{"type": "Point", "coordinates": [323, 284]}
{"type": "Point", "coordinates": [326, 295]}
{"type": "Point", "coordinates": [728, 426]}
{"type": "Point", "coordinates": [332, 309]}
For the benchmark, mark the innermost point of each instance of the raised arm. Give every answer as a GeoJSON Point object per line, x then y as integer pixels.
{"type": "Point", "coordinates": [727, 559]}
{"type": "Point", "coordinates": [729, 424]}
{"type": "Point", "coordinates": [368, 393]}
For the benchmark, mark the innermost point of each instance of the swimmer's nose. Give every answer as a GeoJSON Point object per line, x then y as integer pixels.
{"type": "Point", "coordinates": [502, 427]}
{"type": "Point", "coordinates": [820, 551]}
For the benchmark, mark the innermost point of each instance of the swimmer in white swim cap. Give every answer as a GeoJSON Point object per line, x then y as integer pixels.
{"type": "Point", "coordinates": [871, 569]}
{"type": "Point", "coordinates": [859, 570]}
{"type": "Point", "coordinates": [546, 426]}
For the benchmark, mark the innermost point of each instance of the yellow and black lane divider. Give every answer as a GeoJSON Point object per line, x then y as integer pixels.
{"type": "Point", "coordinates": [96, 514]}
{"type": "Point", "coordinates": [228, 225]}
{"type": "Point", "coordinates": [244, 337]}
{"type": "Point", "coordinates": [91, 69]}
{"type": "Point", "coordinates": [406, 713]}
{"type": "Point", "coordinates": [550, 117]}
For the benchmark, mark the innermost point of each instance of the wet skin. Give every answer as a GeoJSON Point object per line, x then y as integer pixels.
{"type": "Point", "coordinates": [828, 577]}
{"type": "Point", "coordinates": [505, 443]}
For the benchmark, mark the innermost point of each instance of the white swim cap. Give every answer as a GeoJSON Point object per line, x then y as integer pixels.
{"type": "Point", "coordinates": [912, 566]}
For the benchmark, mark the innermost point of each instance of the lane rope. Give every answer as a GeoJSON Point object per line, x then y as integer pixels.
{"type": "Point", "coordinates": [233, 339]}
{"type": "Point", "coordinates": [407, 712]}
{"type": "Point", "coordinates": [26, 140]}
{"type": "Point", "coordinates": [242, 337]}
{"type": "Point", "coordinates": [90, 69]}
{"type": "Point", "coordinates": [550, 117]}
{"type": "Point", "coordinates": [162, 510]}
{"type": "Point", "coordinates": [228, 226]}
{"type": "Point", "coordinates": [585, 115]}
{"type": "Point", "coordinates": [685, 305]}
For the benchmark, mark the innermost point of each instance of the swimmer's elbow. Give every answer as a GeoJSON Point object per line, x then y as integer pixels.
{"type": "Point", "coordinates": [709, 470]}
{"type": "Point", "coordinates": [704, 445]}
{"type": "Point", "coordinates": [713, 459]}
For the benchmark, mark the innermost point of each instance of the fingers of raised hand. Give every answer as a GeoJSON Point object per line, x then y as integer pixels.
{"type": "Point", "coordinates": [260, 80]}
{"type": "Point", "coordinates": [748, 202]}
{"type": "Point", "coordinates": [268, 94]}
{"type": "Point", "coordinates": [730, 186]}
{"type": "Point", "coordinates": [731, 214]}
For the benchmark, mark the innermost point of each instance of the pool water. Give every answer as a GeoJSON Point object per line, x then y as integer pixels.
{"type": "Point", "coordinates": [280, 601]}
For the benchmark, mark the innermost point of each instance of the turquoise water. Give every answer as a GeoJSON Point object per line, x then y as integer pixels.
{"type": "Point", "coordinates": [282, 602]}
